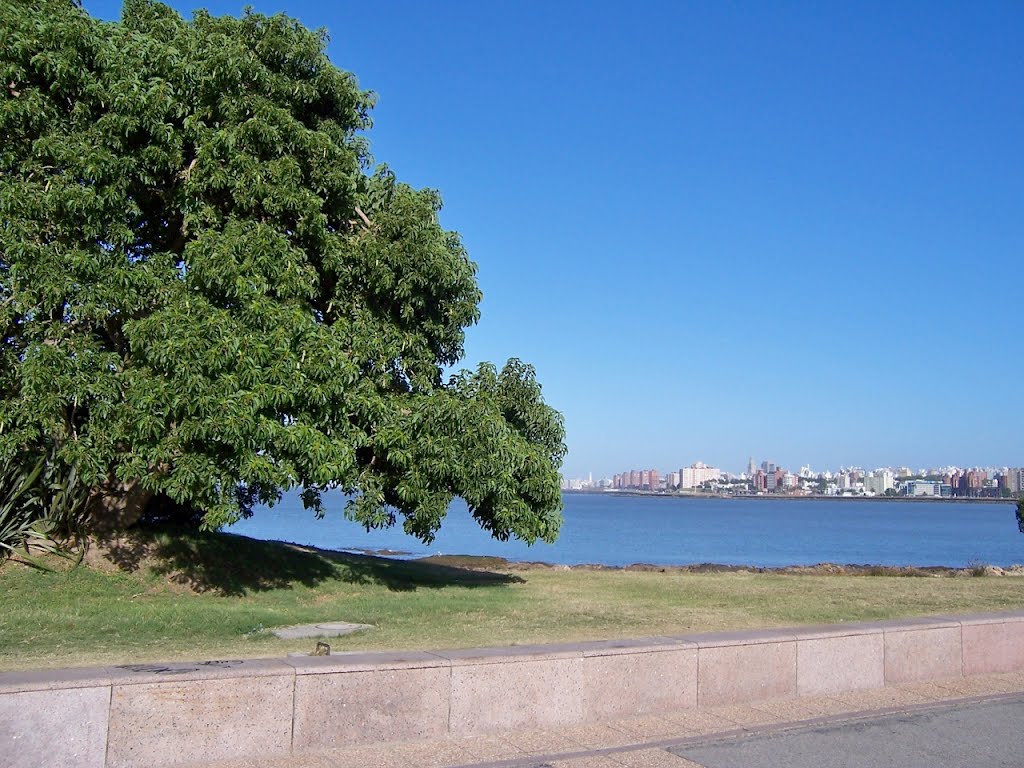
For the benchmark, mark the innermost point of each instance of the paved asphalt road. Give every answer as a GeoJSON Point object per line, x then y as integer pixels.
{"type": "Point", "coordinates": [988, 734]}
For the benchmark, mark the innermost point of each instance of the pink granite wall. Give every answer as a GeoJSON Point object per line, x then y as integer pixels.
{"type": "Point", "coordinates": [182, 714]}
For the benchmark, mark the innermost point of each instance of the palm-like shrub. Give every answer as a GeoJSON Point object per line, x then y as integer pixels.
{"type": "Point", "coordinates": [42, 505]}
{"type": "Point", "coordinates": [20, 503]}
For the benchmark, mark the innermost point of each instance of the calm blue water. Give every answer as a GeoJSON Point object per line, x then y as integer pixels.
{"type": "Point", "coordinates": [619, 530]}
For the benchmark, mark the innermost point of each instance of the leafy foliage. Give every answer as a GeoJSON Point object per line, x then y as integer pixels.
{"type": "Point", "coordinates": [19, 507]}
{"type": "Point", "coordinates": [41, 504]}
{"type": "Point", "coordinates": [208, 296]}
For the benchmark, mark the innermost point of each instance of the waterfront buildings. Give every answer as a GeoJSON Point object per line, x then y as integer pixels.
{"type": "Point", "coordinates": [1013, 480]}
{"type": "Point", "coordinates": [651, 479]}
{"type": "Point", "coordinates": [769, 478]}
{"type": "Point", "coordinates": [880, 482]}
{"type": "Point", "coordinates": [697, 474]}
{"type": "Point", "coordinates": [638, 479]}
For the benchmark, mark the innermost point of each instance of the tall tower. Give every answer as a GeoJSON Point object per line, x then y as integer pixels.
{"type": "Point", "coordinates": [751, 467]}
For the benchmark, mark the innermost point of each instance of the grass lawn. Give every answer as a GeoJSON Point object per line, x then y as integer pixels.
{"type": "Point", "coordinates": [212, 596]}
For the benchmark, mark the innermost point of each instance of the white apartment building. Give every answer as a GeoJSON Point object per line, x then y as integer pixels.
{"type": "Point", "coordinates": [879, 481]}
{"type": "Point", "coordinates": [696, 474]}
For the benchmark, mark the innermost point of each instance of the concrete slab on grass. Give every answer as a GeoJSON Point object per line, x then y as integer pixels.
{"type": "Point", "coordinates": [323, 629]}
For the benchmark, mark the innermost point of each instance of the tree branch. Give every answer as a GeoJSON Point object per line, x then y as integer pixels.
{"type": "Point", "coordinates": [187, 173]}
{"type": "Point", "coordinates": [363, 216]}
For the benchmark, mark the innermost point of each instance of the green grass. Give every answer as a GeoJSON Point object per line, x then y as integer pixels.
{"type": "Point", "coordinates": [207, 596]}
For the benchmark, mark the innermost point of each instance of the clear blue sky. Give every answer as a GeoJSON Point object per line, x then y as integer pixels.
{"type": "Point", "coordinates": [787, 230]}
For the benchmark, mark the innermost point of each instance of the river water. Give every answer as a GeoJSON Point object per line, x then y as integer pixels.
{"type": "Point", "coordinates": [619, 530]}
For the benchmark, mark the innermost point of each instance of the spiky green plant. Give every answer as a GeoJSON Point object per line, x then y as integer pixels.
{"type": "Point", "coordinates": [64, 498]}
{"type": "Point", "coordinates": [20, 503]}
{"type": "Point", "coordinates": [42, 506]}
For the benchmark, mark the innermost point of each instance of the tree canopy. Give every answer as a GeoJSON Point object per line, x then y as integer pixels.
{"type": "Point", "coordinates": [209, 294]}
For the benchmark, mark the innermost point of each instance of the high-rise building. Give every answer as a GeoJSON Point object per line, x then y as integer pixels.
{"type": "Point", "coordinates": [879, 481]}
{"type": "Point", "coordinates": [760, 481]}
{"type": "Point", "coordinates": [1015, 479]}
{"type": "Point", "coordinates": [972, 481]}
{"type": "Point", "coordinates": [696, 474]}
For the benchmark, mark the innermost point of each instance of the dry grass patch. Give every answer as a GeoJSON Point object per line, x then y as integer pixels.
{"type": "Point", "coordinates": [204, 596]}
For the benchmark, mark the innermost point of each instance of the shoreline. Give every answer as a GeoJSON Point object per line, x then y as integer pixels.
{"type": "Point", "coordinates": [491, 562]}
{"type": "Point", "coordinates": [481, 562]}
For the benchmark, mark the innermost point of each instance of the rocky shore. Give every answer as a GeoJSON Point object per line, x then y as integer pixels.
{"type": "Point", "coordinates": [820, 569]}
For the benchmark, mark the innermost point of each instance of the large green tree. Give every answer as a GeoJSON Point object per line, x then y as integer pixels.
{"type": "Point", "coordinates": [208, 295]}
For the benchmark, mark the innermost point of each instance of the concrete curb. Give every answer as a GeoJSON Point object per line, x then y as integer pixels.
{"type": "Point", "coordinates": [183, 714]}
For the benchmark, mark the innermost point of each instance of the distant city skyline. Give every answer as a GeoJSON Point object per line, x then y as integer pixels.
{"type": "Point", "coordinates": [808, 466]}
{"type": "Point", "coordinates": [767, 477]}
{"type": "Point", "coordinates": [737, 468]}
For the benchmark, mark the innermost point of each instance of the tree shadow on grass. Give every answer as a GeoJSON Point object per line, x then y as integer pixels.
{"type": "Point", "coordinates": [233, 565]}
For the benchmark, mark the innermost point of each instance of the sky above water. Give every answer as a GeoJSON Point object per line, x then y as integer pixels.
{"type": "Point", "coordinates": [785, 230]}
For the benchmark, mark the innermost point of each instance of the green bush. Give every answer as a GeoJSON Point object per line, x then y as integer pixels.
{"type": "Point", "coordinates": [42, 504]}
{"type": "Point", "coordinates": [20, 503]}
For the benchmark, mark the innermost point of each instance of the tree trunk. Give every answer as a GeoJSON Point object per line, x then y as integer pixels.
{"type": "Point", "coordinates": [114, 505]}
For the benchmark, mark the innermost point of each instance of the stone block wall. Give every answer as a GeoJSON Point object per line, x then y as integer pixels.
{"type": "Point", "coordinates": [161, 715]}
